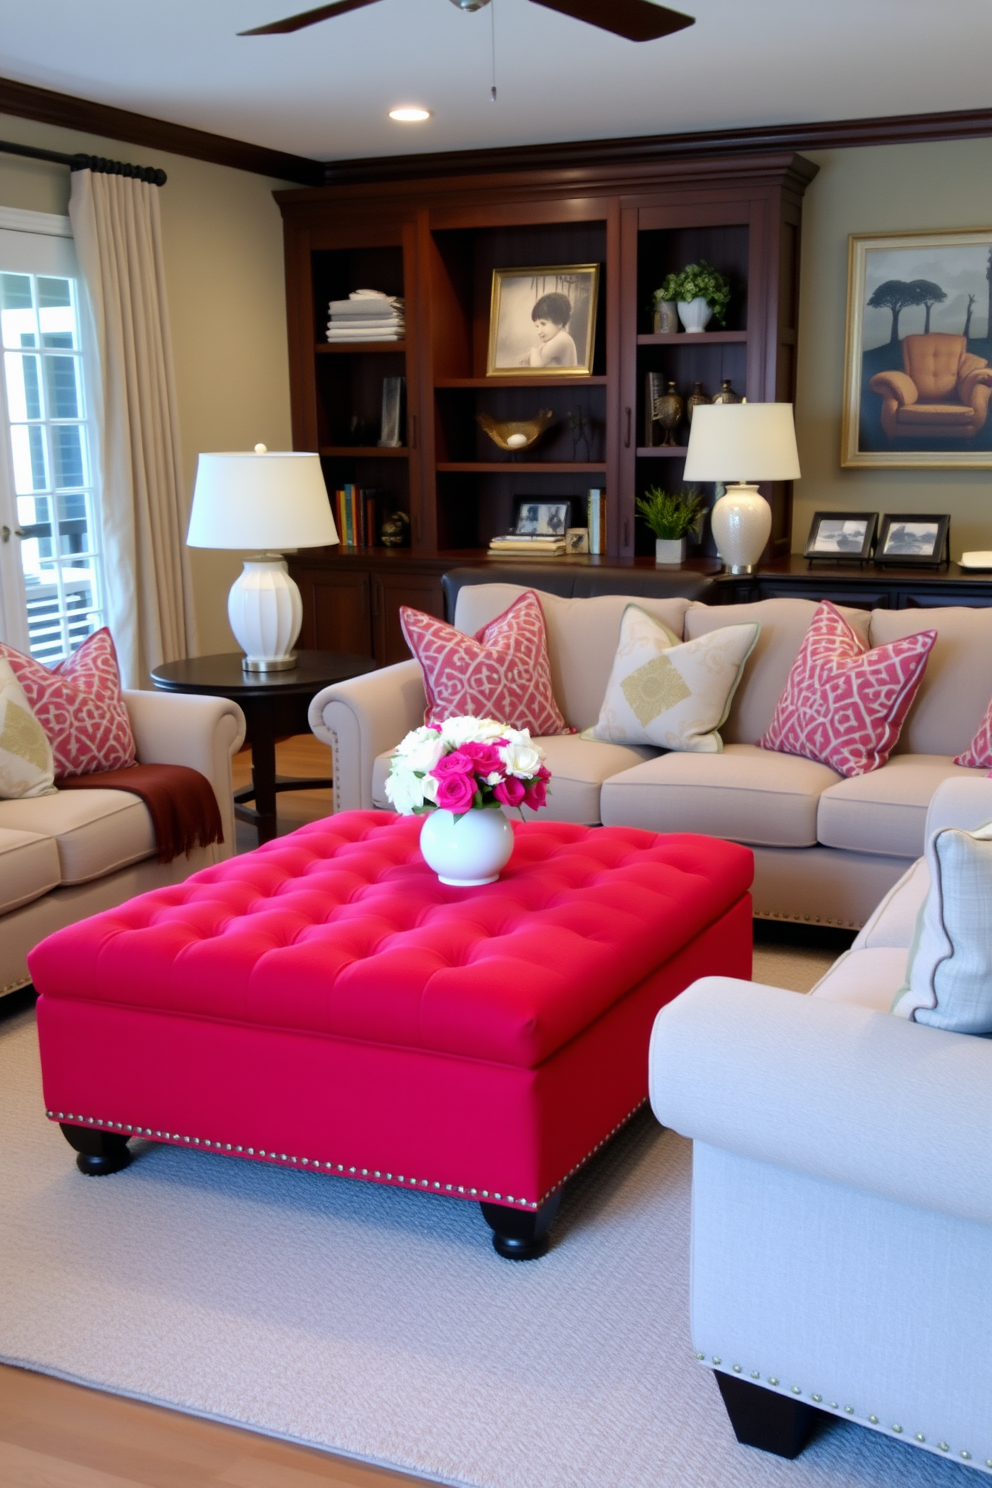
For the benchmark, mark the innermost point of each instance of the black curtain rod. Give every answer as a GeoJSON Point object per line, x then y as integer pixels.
{"type": "Point", "coordinates": [149, 173]}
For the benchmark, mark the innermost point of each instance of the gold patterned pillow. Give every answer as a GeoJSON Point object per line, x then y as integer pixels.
{"type": "Point", "coordinates": [672, 694]}
{"type": "Point", "coordinates": [26, 764]}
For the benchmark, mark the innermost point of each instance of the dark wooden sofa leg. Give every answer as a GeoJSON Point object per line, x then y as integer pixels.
{"type": "Point", "coordinates": [760, 1418]}
{"type": "Point", "coordinates": [521, 1234]}
{"type": "Point", "coordinates": [98, 1151]}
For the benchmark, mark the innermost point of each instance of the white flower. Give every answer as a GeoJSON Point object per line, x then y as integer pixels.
{"type": "Point", "coordinates": [464, 729]}
{"type": "Point", "coordinates": [521, 759]}
{"type": "Point", "coordinates": [425, 755]}
{"type": "Point", "coordinates": [414, 739]}
{"type": "Point", "coordinates": [404, 791]}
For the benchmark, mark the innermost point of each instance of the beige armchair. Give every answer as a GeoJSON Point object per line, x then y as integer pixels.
{"type": "Point", "coordinates": [943, 392]}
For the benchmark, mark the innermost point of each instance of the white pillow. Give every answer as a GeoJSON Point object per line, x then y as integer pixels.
{"type": "Point", "coordinates": [672, 694]}
{"type": "Point", "coordinates": [26, 764]}
{"type": "Point", "coordinates": [949, 972]}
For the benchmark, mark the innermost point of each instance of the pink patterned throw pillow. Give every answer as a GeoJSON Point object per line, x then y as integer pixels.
{"type": "Point", "coordinates": [844, 703]}
{"type": "Point", "coordinates": [79, 705]}
{"type": "Point", "coordinates": [502, 672]}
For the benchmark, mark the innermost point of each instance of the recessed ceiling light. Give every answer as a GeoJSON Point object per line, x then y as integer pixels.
{"type": "Point", "coordinates": [409, 115]}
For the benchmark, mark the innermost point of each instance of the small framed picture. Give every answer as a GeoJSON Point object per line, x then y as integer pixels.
{"type": "Point", "coordinates": [839, 535]}
{"type": "Point", "coordinates": [535, 516]}
{"type": "Point", "coordinates": [913, 540]}
{"type": "Point", "coordinates": [543, 321]}
{"type": "Point", "coordinates": [577, 540]}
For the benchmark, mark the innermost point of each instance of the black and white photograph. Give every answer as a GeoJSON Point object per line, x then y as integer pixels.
{"type": "Point", "coordinates": [841, 535]}
{"type": "Point", "coordinates": [536, 518]}
{"type": "Point", "coordinates": [913, 539]}
{"type": "Point", "coordinates": [543, 321]}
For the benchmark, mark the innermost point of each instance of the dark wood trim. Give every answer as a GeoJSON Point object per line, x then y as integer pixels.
{"type": "Point", "coordinates": [649, 149]}
{"type": "Point", "coordinates": [25, 101]}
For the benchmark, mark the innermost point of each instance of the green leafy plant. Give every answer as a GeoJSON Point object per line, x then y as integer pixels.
{"type": "Point", "coordinates": [670, 514]}
{"type": "Point", "coordinates": [695, 281]}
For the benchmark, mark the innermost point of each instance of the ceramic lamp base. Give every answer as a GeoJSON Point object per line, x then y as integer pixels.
{"type": "Point", "coordinates": [741, 523]}
{"type": "Point", "coordinates": [265, 610]}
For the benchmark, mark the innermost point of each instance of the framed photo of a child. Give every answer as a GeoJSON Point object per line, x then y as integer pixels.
{"type": "Point", "coordinates": [543, 321]}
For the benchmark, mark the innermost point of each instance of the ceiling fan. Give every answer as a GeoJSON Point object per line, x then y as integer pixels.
{"type": "Point", "coordinates": [637, 20]}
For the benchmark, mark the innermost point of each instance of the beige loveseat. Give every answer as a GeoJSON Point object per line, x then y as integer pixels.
{"type": "Point", "coordinates": [67, 856]}
{"type": "Point", "coordinates": [826, 849]}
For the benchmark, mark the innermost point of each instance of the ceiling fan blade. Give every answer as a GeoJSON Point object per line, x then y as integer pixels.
{"type": "Point", "coordinates": [307, 18]}
{"type": "Point", "coordinates": [637, 20]}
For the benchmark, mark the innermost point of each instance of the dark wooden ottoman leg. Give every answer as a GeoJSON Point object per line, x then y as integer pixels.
{"type": "Point", "coordinates": [99, 1151]}
{"type": "Point", "coordinates": [521, 1234]}
{"type": "Point", "coordinates": [763, 1419]}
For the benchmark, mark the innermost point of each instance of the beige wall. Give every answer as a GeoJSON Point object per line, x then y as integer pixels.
{"type": "Point", "coordinates": [224, 263]}
{"type": "Point", "coordinates": [884, 189]}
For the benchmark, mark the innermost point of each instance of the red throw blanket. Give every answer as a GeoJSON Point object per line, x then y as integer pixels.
{"type": "Point", "coordinates": [180, 801]}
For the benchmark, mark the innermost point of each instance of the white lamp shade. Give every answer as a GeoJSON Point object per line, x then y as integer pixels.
{"type": "Point", "coordinates": [742, 442]}
{"type": "Point", "coordinates": [269, 501]}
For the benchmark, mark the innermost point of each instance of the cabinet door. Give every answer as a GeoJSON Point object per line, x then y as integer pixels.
{"type": "Point", "coordinates": [389, 591]}
{"type": "Point", "coordinates": [337, 613]}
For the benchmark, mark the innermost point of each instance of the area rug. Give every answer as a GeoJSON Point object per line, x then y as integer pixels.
{"type": "Point", "coordinates": [381, 1324]}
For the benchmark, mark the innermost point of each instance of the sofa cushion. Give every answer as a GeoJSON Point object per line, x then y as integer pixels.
{"type": "Point", "coordinates": [957, 684]}
{"type": "Point", "coordinates": [783, 625]}
{"type": "Point", "coordinates": [95, 831]}
{"type": "Point", "coordinates": [870, 978]}
{"type": "Point", "coordinates": [29, 867]}
{"type": "Point", "coordinates": [578, 768]}
{"type": "Point", "coordinates": [583, 635]}
{"type": "Point", "coordinates": [745, 794]}
{"type": "Point", "coordinates": [885, 811]}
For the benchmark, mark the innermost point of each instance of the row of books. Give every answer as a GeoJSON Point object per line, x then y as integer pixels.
{"type": "Point", "coordinates": [359, 514]}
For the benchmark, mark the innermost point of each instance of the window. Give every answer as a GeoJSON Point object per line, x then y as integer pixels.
{"type": "Point", "coordinates": [52, 558]}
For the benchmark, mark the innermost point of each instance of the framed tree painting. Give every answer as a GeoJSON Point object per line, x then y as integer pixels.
{"type": "Point", "coordinates": [918, 366]}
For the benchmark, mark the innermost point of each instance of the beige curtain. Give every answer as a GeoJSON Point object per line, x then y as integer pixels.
{"type": "Point", "coordinates": [118, 237]}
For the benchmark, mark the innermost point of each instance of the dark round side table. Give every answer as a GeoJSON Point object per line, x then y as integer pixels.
{"type": "Point", "coordinates": [275, 705]}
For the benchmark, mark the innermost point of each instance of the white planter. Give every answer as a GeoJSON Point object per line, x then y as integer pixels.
{"type": "Point", "coordinates": [468, 849]}
{"type": "Point", "coordinates": [669, 549]}
{"type": "Point", "coordinates": [694, 314]}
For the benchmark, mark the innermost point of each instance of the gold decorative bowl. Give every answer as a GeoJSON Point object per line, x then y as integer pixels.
{"type": "Point", "coordinates": [514, 437]}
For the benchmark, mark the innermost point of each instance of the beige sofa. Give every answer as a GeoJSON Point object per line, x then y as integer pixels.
{"type": "Point", "coordinates": [67, 856]}
{"type": "Point", "coordinates": [826, 849]}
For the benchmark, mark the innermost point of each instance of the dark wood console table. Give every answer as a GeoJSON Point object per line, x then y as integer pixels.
{"type": "Point", "coordinates": [867, 588]}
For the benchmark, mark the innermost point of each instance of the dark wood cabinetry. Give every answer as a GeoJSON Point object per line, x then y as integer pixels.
{"type": "Point", "coordinates": [436, 241]}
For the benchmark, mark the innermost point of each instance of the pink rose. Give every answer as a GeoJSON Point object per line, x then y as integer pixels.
{"type": "Point", "coordinates": [456, 763]}
{"type": "Point", "coordinates": [536, 794]}
{"type": "Point", "coordinates": [455, 792]}
{"type": "Point", "coordinates": [509, 792]}
{"type": "Point", "coordinates": [485, 758]}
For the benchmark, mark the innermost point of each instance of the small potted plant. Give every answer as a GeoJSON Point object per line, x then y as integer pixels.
{"type": "Point", "coordinates": [670, 515]}
{"type": "Point", "coordinates": [699, 291]}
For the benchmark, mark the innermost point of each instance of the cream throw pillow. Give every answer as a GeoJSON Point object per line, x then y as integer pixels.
{"type": "Point", "coordinates": [26, 764]}
{"type": "Point", "coordinates": [672, 694]}
{"type": "Point", "coordinates": [949, 972]}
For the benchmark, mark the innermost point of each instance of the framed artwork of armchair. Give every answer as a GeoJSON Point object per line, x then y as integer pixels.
{"type": "Point", "coordinates": [918, 365]}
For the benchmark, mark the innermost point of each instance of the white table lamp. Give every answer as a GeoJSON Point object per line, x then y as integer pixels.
{"type": "Point", "coordinates": [270, 500]}
{"type": "Point", "coordinates": [742, 443]}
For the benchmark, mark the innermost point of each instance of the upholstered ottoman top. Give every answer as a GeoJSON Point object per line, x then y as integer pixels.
{"type": "Point", "coordinates": [343, 929]}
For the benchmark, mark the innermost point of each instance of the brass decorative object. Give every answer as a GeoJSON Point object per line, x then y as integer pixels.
{"type": "Point", "coordinates": [726, 393]}
{"type": "Point", "coordinates": [395, 530]}
{"type": "Point", "coordinates": [668, 411]}
{"type": "Point", "coordinates": [514, 436]}
{"type": "Point", "coordinates": [694, 399]}
{"type": "Point", "coordinates": [666, 317]}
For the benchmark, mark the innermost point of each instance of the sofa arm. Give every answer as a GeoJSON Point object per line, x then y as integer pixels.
{"type": "Point", "coordinates": [360, 719]}
{"type": "Point", "coordinates": [831, 1089]}
{"type": "Point", "coordinates": [173, 728]}
{"type": "Point", "coordinates": [960, 803]}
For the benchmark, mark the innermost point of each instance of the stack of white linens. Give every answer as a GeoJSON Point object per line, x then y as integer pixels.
{"type": "Point", "coordinates": [367, 315]}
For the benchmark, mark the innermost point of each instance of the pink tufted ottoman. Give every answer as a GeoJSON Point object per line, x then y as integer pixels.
{"type": "Point", "coordinates": [325, 1003]}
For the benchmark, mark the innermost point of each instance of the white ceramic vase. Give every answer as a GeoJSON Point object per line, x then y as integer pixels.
{"type": "Point", "coordinates": [694, 314]}
{"type": "Point", "coordinates": [468, 849]}
{"type": "Point", "coordinates": [741, 522]}
{"type": "Point", "coordinates": [669, 549]}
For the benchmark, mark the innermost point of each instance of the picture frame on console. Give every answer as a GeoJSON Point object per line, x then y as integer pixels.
{"type": "Point", "coordinates": [542, 321]}
{"type": "Point", "coordinates": [539, 516]}
{"type": "Point", "coordinates": [841, 537]}
{"type": "Point", "coordinates": [918, 361]}
{"type": "Point", "coordinates": [914, 540]}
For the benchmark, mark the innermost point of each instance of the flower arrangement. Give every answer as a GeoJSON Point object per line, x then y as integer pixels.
{"type": "Point", "coordinates": [466, 764]}
{"type": "Point", "coordinates": [698, 281]}
{"type": "Point", "coordinates": [670, 514]}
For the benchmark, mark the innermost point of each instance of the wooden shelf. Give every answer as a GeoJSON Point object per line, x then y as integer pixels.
{"type": "Point", "coordinates": [518, 382]}
{"type": "Point", "coordinates": [662, 452]}
{"type": "Point", "coordinates": [696, 338]}
{"type": "Point", "coordinates": [362, 452]}
{"type": "Point", "coordinates": [520, 467]}
{"type": "Point", "coordinates": [337, 348]}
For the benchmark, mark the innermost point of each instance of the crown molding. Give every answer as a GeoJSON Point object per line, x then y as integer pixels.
{"type": "Point", "coordinates": [649, 149]}
{"type": "Point", "coordinates": [25, 101]}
